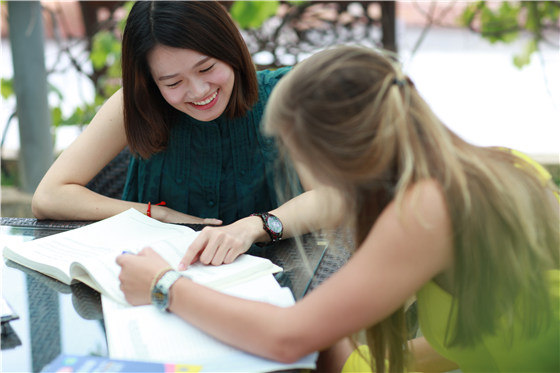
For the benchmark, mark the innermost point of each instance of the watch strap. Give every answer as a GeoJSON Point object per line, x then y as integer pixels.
{"type": "Point", "coordinates": [274, 236]}
{"type": "Point", "coordinates": [160, 293]}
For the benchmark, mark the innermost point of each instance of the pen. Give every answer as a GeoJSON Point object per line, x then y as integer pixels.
{"type": "Point", "coordinates": [127, 252]}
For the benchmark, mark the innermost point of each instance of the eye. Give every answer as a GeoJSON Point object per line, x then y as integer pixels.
{"type": "Point", "coordinates": [208, 69]}
{"type": "Point", "coordinates": [173, 84]}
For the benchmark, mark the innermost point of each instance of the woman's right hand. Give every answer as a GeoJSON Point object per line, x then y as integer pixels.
{"type": "Point", "coordinates": [222, 245]}
{"type": "Point", "coordinates": [168, 215]}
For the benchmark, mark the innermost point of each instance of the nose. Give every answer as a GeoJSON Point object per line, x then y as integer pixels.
{"type": "Point", "coordinates": [198, 89]}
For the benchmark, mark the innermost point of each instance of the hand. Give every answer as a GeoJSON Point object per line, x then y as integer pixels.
{"type": "Point", "coordinates": [137, 273]}
{"type": "Point", "coordinates": [168, 215]}
{"type": "Point", "coordinates": [222, 245]}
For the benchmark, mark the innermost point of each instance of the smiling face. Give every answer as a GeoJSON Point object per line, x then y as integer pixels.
{"type": "Point", "coordinates": [198, 85]}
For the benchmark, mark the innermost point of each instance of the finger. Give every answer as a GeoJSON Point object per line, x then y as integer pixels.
{"type": "Point", "coordinates": [229, 245]}
{"type": "Point", "coordinates": [143, 252]}
{"type": "Point", "coordinates": [196, 258]}
{"type": "Point", "coordinates": [209, 252]}
{"type": "Point", "coordinates": [193, 251]}
{"type": "Point", "coordinates": [219, 256]}
{"type": "Point", "coordinates": [231, 256]}
{"type": "Point", "coordinates": [211, 221]}
{"type": "Point", "coordinates": [121, 259]}
{"type": "Point", "coordinates": [148, 252]}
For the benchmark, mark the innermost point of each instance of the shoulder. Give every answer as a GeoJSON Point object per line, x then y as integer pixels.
{"type": "Point", "coordinates": [424, 200]}
{"type": "Point", "coordinates": [419, 221]}
{"type": "Point", "coordinates": [426, 197]}
{"type": "Point", "coordinates": [421, 212]}
{"type": "Point", "coordinates": [267, 79]}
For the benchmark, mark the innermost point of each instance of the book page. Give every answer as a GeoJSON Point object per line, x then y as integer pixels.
{"type": "Point", "coordinates": [103, 240]}
{"type": "Point", "coordinates": [151, 335]}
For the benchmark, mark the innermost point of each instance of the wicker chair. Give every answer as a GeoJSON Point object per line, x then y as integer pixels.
{"type": "Point", "coordinates": [111, 179]}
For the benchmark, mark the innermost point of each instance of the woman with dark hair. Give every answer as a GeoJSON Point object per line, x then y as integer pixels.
{"type": "Point", "coordinates": [190, 111]}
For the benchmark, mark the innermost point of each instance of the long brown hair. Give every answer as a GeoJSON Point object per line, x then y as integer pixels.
{"type": "Point", "coordinates": [203, 26]}
{"type": "Point", "coordinates": [360, 125]}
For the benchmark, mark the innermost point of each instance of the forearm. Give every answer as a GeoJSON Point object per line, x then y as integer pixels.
{"type": "Point", "coordinates": [313, 210]}
{"type": "Point", "coordinates": [308, 212]}
{"type": "Point", "coordinates": [256, 327]}
{"type": "Point", "coordinates": [76, 202]}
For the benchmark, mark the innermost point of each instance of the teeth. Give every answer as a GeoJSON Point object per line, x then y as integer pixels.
{"type": "Point", "coordinates": [207, 101]}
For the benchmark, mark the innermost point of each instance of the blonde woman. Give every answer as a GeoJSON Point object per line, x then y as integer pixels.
{"type": "Point", "coordinates": [472, 232]}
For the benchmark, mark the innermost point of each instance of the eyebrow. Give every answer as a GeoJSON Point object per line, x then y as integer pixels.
{"type": "Point", "coordinates": [201, 62]}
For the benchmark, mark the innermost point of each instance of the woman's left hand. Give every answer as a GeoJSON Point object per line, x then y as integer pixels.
{"type": "Point", "coordinates": [137, 274]}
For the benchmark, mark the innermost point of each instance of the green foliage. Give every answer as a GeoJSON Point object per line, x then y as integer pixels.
{"type": "Point", "coordinates": [524, 58]}
{"type": "Point", "coordinates": [506, 22]}
{"type": "Point", "coordinates": [53, 89]}
{"type": "Point", "coordinates": [105, 57]}
{"type": "Point", "coordinates": [10, 177]}
{"type": "Point", "coordinates": [501, 24]}
{"type": "Point", "coordinates": [56, 116]}
{"type": "Point", "coordinates": [106, 48]}
{"type": "Point", "coordinates": [252, 14]}
{"type": "Point", "coordinates": [6, 87]}
{"type": "Point", "coordinates": [83, 114]}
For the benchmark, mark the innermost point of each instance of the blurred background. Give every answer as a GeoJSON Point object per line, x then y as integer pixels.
{"type": "Point", "coordinates": [489, 69]}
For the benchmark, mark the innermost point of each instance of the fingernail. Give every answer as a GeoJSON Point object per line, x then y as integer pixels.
{"type": "Point", "coordinates": [182, 266]}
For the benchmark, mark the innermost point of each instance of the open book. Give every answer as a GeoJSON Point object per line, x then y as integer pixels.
{"type": "Point", "coordinates": [88, 254]}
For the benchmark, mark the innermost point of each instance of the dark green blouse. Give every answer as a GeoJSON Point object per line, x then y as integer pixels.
{"type": "Point", "coordinates": [220, 169]}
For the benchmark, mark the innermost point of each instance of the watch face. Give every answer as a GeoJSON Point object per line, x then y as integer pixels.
{"type": "Point", "coordinates": [274, 224]}
{"type": "Point", "coordinates": [158, 297]}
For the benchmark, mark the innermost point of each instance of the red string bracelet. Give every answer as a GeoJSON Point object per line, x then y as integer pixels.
{"type": "Point", "coordinates": [149, 212]}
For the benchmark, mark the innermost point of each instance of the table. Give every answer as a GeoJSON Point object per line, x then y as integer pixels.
{"type": "Point", "coordinates": [55, 318]}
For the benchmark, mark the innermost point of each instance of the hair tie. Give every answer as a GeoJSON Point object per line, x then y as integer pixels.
{"type": "Point", "coordinates": [399, 82]}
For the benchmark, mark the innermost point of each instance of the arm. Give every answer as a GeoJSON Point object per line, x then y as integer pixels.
{"type": "Point", "coordinates": [320, 207]}
{"type": "Point", "coordinates": [317, 208]}
{"type": "Point", "coordinates": [62, 193]}
{"type": "Point", "coordinates": [396, 259]}
{"type": "Point", "coordinates": [310, 211]}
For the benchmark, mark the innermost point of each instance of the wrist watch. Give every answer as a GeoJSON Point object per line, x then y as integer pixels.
{"type": "Point", "coordinates": [160, 292]}
{"type": "Point", "coordinates": [272, 225]}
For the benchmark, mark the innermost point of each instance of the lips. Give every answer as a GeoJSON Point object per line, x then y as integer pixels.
{"type": "Point", "coordinates": [206, 101]}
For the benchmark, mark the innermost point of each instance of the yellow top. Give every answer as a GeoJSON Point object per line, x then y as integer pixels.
{"type": "Point", "coordinates": [506, 351]}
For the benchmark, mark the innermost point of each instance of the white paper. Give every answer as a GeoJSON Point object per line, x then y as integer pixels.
{"type": "Point", "coordinates": [145, 333]}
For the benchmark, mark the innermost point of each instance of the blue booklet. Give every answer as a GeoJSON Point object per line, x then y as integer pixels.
{"type": "Point", "coordinates": [94, 364]}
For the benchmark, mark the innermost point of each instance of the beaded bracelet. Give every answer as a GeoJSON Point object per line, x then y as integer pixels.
{"type": "Point", "coordinates": [149, 212]}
